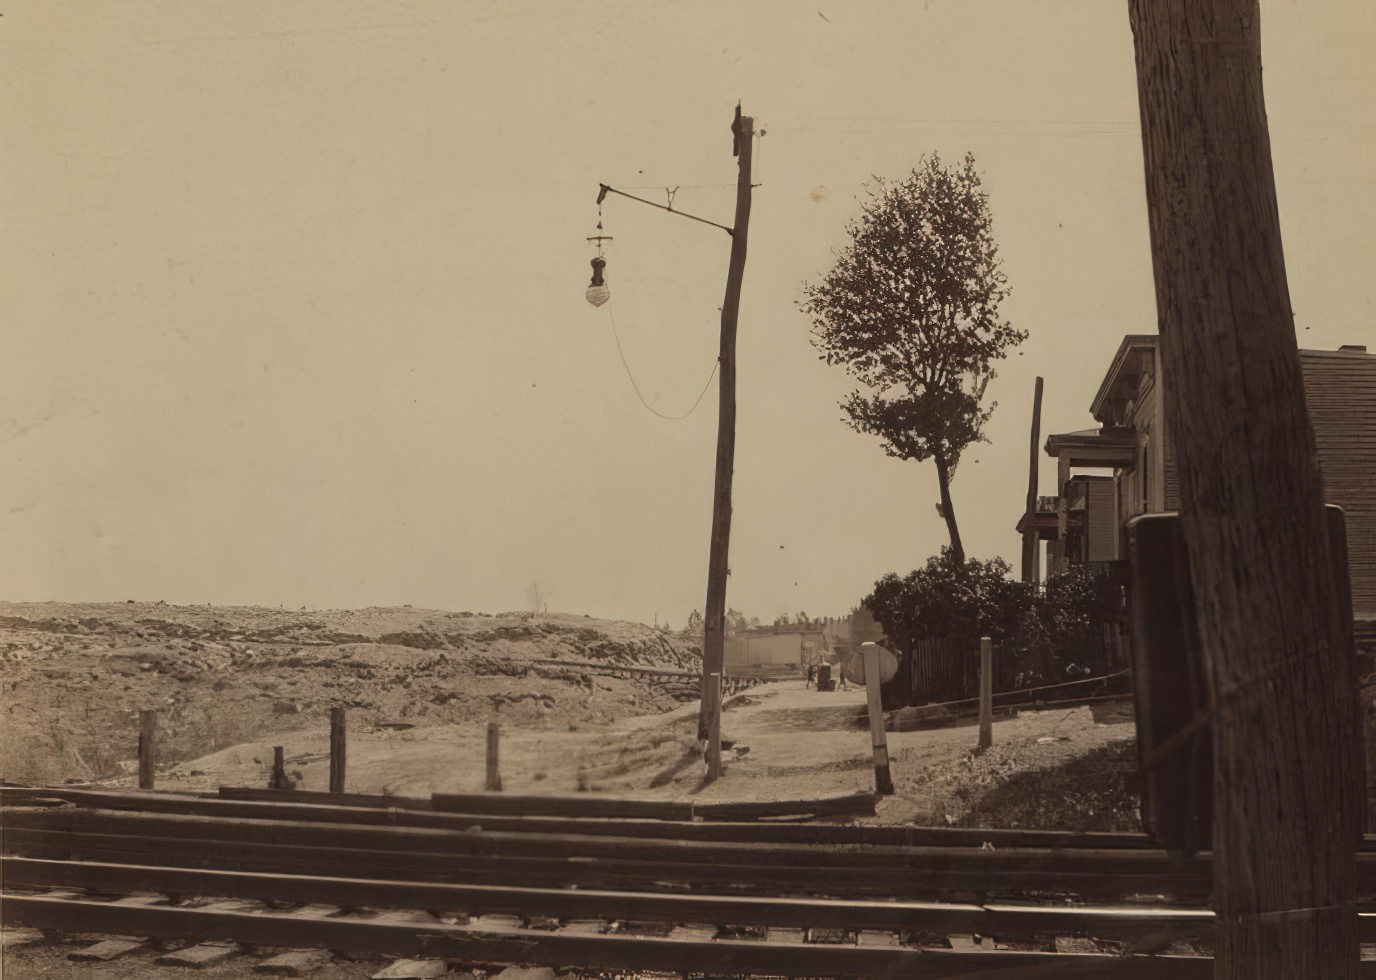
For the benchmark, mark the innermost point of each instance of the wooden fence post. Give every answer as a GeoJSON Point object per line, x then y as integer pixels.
{"type": "Point", "coordinates": [986, 692]}
{"type": "Point", "coordinates": [338, 750]}
{"type": "Point", "coordinates": [148, 734]}
{"type": "Point", "coordinates": [494, 776]}
{"type": "Point", "coordinates": [883, 779]}
{"type": "Point", "coordinates": [279, 769]}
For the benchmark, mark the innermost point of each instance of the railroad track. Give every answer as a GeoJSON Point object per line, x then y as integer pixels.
{"type": "Point", "coordinates": [428, 879]}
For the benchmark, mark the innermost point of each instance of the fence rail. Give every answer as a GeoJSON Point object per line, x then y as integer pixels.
{"type": "Point", "coordinates": [942, 670]}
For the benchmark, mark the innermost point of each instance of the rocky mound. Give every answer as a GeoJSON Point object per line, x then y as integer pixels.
{"type": "Point", "coordinates": [74, 676]}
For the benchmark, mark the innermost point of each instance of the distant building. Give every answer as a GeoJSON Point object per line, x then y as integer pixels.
{"type": "Point", "coordinates": [774, 647]}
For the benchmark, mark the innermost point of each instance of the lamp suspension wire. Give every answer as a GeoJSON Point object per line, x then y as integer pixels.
{"type": "Point", "coordinates": [598, 285]}
{"type": "Point", "coordinates": [631, 377]}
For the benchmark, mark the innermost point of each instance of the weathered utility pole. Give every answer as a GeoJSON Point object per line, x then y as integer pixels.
{"type": "Point", "coordinates": [1279, 666]}
{"type": "Point", "coordinates": [1030, 535]}
{"type": "Point", "coordinates": [714, 617]}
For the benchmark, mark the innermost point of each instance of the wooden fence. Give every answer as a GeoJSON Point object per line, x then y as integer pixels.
{"type": "Point", "coordinates": [937, 670]}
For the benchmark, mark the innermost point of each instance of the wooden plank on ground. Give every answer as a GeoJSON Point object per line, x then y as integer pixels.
{"type": "Point", "coordinates": [509, 804]}
{"type": "Point", "coordinates": [315, 796]}
{"type": "Point", "coordinates": [856, 804]}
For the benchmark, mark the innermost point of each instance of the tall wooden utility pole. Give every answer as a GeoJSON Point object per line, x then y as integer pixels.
{"type": "Point", "coordinates": [714, 619]}
{"type": "Point", "coordinates": [1279, 665]}
{"type": "Point", "coordinates": [1031, 537]}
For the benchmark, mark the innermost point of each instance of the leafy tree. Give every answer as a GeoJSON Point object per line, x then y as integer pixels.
{"type": "Point", "coordinates": [952, 597]}
{"type": "Point", "coordinates": [1075, 600]}
{"type": "Point", "coordinates": [694, 622]}
{"type": "Point", "coordinates": [911, 311]}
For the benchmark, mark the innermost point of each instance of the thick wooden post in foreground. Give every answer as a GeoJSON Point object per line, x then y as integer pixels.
{"type": "Point", "coordinates": [883, 779]}
{"type": "Point", "coordinates": [494, 772]}
{"type": "Point", "coordinates": [986, 692]}
{"type": "Point", "coordinates": [148, 748]}
{"type": "Point", "coordinates": [714, 618]}
{"type": "Point", "coordinates": [1278, 661]}
{"type": "Point", "coordinates": [337, 750]}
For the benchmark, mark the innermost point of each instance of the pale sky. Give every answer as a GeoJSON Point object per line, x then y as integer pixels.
{"type": "Point", "coordinates": [293, 292]}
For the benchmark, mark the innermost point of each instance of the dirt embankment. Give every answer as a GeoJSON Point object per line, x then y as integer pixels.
{"type": "Point", "coordinates": [73, 677]}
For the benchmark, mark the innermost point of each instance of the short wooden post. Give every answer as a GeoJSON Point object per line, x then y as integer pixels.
{"type": "Point", "coordinates": [338, 750]}
{"type": "Point", "coordinates": [986, 692]}
{"type": "Point", "coordinates": [279, 769]}
{"type": "Point", "coordinates": [148, 735]}
{"type": "Point", "coordinates": [883, 779]}
{"type": "Point", "coordinates": [494, 775]}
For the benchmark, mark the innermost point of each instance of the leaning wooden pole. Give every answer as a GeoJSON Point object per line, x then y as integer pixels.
{"type": "Point", "coordinates": [1030, 539]}
{"type": "Point", "coordinates": [1279, 667]}
{"type": "Point", "coordinates": [714, 625]}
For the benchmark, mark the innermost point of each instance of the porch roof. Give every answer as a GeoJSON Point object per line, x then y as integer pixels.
{"type": "Point", "coordinates": [1107, 447]}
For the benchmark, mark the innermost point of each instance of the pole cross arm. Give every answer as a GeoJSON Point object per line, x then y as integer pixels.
{"type": "Point", "coordinates": [605, 189]}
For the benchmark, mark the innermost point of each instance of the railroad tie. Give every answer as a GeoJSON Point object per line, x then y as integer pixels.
{"type": "Point", "coordinates": [413, 970]}
{"type": "Point", "coordinates": [203, 955]}
{"type": "Point", "coordinates": [106, 950]}
{"type": "Point", "coordinates": [294, 963]}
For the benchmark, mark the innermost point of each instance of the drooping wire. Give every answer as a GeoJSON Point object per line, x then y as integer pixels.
{"type": "Point", "coordinates": [631, 377]}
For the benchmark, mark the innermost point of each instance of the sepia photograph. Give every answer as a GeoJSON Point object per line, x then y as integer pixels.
{"type": "Point", "coordinates": [534, 490]}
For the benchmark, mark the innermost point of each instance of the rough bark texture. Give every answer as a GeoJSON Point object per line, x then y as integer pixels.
{"type": "Point", "coordinates": [714, 631]}
{"type": "Point", "coordinates": [1287, 744]}
{"type": "Point", "coordinates": [948, 509]}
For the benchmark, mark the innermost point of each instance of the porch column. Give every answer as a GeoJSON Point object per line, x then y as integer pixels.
{"type": "Point", "coordinates": [1062, 514]}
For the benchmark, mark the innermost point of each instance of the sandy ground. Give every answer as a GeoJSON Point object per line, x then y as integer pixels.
{"type": "Point", "coordinates": [801, 744]}
{"type": "Point", "coordinates": [1063, 769]}
{"type": "Point", "coordinates": [788, 742]}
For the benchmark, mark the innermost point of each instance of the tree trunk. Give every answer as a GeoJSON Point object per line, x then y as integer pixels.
{"type": "Point", "coordinates": [948, 511]}
{"type": "Point", "coordinates": [1280, 670]}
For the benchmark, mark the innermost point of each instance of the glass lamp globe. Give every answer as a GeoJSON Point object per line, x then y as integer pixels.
{"type": "Point", "coordinates": [598, 293]}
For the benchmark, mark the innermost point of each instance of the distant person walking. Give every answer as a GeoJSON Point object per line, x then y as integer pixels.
{"type": "Point", "coordinates": [811, 673]}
